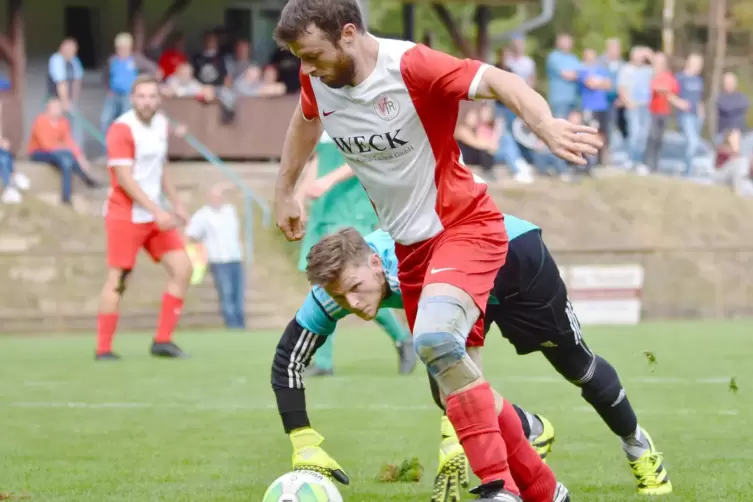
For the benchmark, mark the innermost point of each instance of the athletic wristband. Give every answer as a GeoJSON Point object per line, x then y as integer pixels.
{"type": "Point", "coordinates": [291, 403]}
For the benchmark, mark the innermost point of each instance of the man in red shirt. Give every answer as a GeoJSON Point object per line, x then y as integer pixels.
{"type": "Point", "coordinates": [391, 107]}
{"type": "Point", "coordinates": [664, 89]}
{"type": "Point", "coordinates": [135, 218]}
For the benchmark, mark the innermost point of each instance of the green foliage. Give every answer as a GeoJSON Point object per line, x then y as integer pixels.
{"type": "Point", "coordinates": [410, 471]}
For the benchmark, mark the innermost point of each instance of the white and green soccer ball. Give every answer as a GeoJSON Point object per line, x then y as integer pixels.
{"type": "Point", "coordinates": [302, 486]}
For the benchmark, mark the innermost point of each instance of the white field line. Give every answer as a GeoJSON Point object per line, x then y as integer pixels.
{"type": "Point", "coordinates": [322, 407]}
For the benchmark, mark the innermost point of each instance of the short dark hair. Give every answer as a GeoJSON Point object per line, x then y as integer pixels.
{"type": "Point", "coordinates": [330, 16]}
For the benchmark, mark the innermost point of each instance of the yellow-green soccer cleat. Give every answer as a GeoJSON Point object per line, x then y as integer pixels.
{"type": "Point", "coordinates": [649, 471]}
{"type": "Point", "coordinates": [543, 442]}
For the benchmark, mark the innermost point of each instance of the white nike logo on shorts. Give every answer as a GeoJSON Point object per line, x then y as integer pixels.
{"type": "Point", "coordinates": [438, 270]}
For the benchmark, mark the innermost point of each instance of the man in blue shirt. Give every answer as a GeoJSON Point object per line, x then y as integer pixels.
{"type": "Point", "coordinates": [64, 75]}
{"type": "Point", "coordinates": [561, 71]}
{"type": "Point", "coordinates": [595, 83]}
{"type": "Point", "coordinates": [529, 303]}
{"type": "Point", "coordinates": [691, 112]}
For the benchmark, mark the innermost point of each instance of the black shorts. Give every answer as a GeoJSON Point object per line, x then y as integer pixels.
{"type": "Point", "coordinates": [533, 311]}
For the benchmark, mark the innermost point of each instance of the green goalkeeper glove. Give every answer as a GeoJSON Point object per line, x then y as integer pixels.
{"type": "Point", "coordinates": [453, 466]}
{"type": "Point", "coordinates": [308, 456]}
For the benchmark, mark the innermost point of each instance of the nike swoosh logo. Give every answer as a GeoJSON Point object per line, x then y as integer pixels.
{"type": "Point", "coordinates": [438, 270]}
{"type": "Point", "coordinates": [327, 114]}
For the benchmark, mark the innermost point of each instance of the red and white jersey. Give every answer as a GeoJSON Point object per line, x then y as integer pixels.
{"type": "Point", "coordinates": [130, 142]}
{"type": "Point", "coordinates": [396, 130]}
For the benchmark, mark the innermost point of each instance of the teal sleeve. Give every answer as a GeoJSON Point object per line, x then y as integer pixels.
{"type": "Point", "coordinates": [319, 313]}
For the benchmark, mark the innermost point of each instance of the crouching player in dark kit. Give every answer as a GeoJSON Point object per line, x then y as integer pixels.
{"type": "Point", "coordinates": [353, 274]}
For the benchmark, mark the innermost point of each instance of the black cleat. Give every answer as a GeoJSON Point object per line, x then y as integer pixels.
{"type": "Point", "coordinates": [407, 357]}
{"type": "Point", "coordinates": [316, 371]}
{"type": "Point", "coordinates": [168, 349]}
{"type": "Point", "coordinates": [107, 356]}
{"type": "Point", "coordinates": [495, 492]}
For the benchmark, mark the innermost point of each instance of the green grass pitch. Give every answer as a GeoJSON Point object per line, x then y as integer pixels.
{"type": "Point", "coordinates": [206, 429]}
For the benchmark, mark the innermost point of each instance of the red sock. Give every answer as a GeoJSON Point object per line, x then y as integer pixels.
{"type": "Point", "coordinates": [168, 317]}
{"type": "Point", "coordinates": [536, 480]}
{"type": "Point", "coordinates": [474, 418]}
{"type": "Point", "coordinates": [107, 323]}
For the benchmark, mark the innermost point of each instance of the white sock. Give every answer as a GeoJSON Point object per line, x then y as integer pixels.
{"type": "Point", "coordinates": [636, 445]}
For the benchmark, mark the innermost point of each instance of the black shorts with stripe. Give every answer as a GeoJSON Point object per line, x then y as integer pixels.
{"type": "Point", "coordinates": [534, 312]}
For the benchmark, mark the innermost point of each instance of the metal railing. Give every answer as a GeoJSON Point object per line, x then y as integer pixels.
{"type": "Point", "coordinates": [249, 196]}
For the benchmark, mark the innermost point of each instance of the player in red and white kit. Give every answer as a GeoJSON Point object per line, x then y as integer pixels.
{"type": "Point", "coordinates": [135, 219]}
{"type": "Point", "coordinates": [392, 107]}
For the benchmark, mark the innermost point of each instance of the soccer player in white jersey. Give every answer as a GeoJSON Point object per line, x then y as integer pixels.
{"type": "Point", "coordinates": [135, 218]}
{"type": "Point", "coordinates": [391, 107]}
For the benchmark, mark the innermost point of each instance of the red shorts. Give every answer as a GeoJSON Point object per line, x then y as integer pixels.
{"type": "Point", "coordinates": [467, 256]}
{"type": "Point", "coordinates": [125, 239]}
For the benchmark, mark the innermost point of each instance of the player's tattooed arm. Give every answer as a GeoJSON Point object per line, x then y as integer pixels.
{"type": "Point", "coordinates": [293, 354]}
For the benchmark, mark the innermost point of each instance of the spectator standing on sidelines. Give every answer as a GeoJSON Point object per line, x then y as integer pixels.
{"type": "Point", "coordinates": [664, 89]}
{"type": "Point", "coordinates": [562, 71]}
{"type": "Point", "coordinates": [135, 218]}
{"type": "Point", "coordinates": [65, 72]}
{"type": "Point", "coordinates": [690, 105]}
{"type": "Point", "coordinates": [122, 69]}
{"type": "Point", "coordinates": [613, 62]}
{"type": "Point", "coordinates": [634, 88]}
{"type": "Point", "coordinates": [594, 82]}
{"type": "Point", "coordinates": [210, 66]}
{"type": "Point", "coordinates": [217, 228]}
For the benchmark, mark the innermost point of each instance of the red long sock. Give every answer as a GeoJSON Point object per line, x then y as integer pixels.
{"type": "Point", "coordinates": [168, 317]}
{"type": "Point", "coordinates": [536, 480]}
{"type": "Point", "coordinates": [106, 326]}
{"type": "Point", "coordinates": [474, 418]}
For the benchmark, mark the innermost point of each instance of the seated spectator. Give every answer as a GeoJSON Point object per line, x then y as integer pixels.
{"type": "Point", "coordinates": [240, 61]}
{"type": "Point", "coordinates": [51, 142]}
{"type": "Point", "coordinates": [12, 183]}
{"type": "Point", "coordinates": [733, 169]}
{"type": "Point", "coordinates": [289, 69]}
{"type": "Point", "coordinates": [122, 69]}
{"type": "Point", "coordinates": [173, 56]}
{"type": "Point", "coordinates": [209, 66]}
{"type": "Point", "coordinates": [254, 82]}
{"type": "Point", "coordinates": [732, 106]}
{"type": "Point", "coordinates": [182, 84]}
{"type": "Point", "coordinates": [478, 138]}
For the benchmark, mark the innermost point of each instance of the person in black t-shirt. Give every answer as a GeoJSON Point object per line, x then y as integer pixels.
{"type": "Point", "coordinates": [209, 66]}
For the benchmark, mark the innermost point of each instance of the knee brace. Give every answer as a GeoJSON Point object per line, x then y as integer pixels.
{"type": "Point", "coordinates": [439, 335]}
{"type": "Point", "coordinates": [435, 394]}
{"type": "Point", "coordinates": [601, 387]}
{"type": "Point", "coordinates": [122, 282]}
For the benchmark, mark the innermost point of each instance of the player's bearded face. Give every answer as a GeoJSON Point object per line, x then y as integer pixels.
{"type": "Point", "coordinates": [146, 101]}
{"type": "Point", "coordinates": [360, 289]}
{"type": "Point", "coordinates": [329, 61]}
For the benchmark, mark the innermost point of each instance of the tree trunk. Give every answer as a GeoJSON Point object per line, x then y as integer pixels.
{"type": "Point", "coordinates": [483, 17]}
{"type": "Point", "coordinates": [668, 32]}
{"type": "Point", "coordinates": [458, 39]}
{"type": "Point", "coordinates": [718, 18]}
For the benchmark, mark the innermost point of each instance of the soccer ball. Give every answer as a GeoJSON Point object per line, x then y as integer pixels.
{"type": "Point", "coordinates": [302, 486]}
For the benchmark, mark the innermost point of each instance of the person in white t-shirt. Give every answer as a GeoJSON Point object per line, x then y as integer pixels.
{"type": "Point", "coordinates": [217, 228]}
